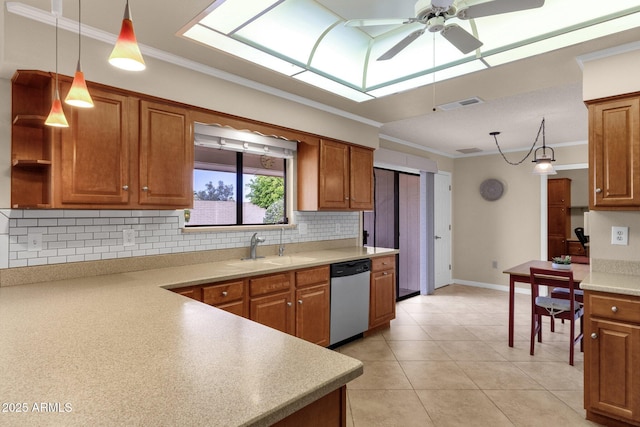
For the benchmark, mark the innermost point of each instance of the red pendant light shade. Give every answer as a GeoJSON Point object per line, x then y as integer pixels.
{"type": "Point", "coordinates": [56, 116]}
{"type": "Point", "coordinates": [126, 53]}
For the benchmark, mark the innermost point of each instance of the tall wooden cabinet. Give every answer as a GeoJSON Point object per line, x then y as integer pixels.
{"type": "Point", "coordinates": [128, 152]}
{"type": "Point", "coordinates": [334, 176]}
{"type": "Point", "coordinates": [612, 358]}
{"type": "Point", "coordinates": [558, 216]}
{"type": "Point", "coordinates": [614, 153]}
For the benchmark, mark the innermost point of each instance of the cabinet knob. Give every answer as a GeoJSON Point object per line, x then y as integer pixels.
{"type": "Point", "coordinates": [145, 188]}
{"type": "Point", "coordinates": [346, 198]}
{"type": "Point", "coordinates": [594, 336]}
{"type": "Point", "coordinates": [125, 187]}
{"type": "Point", "coordinates": [225, 293]}
{"type": "Point", "coordinates": [385, 273]}
{"type": "Point", "coordinates": [289, 303]}
{"type": "Point", "coordinates": [598, 190]}
{"type": "Point", "coordinates": [614, 309]}
{"type": "Point", "coordinates": [300, 301]}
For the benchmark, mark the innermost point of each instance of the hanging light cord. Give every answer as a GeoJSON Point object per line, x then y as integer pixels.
{"type": "Point", "coordinates": [434, 73]}
{"type": "Point", "coordinates": [540, 130]}
{"type": "Point", "coordinates": [57, 93]}
{"type": "Point", "coordinates": [79, 29]}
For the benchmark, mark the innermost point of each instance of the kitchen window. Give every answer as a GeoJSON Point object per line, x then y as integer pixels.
{"type": "Point", "coordinates": [237, 182]}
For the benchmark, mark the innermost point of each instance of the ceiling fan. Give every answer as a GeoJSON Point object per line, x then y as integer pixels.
{"type": "Point", "coordinates": [435, 13]}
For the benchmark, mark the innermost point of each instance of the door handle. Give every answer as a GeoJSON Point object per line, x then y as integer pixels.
{"type": "Point", "coordinates": [437, 237]}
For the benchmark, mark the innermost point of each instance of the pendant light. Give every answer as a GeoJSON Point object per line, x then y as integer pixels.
{"type": "Point", "coordinates": [78, 95]}
{"type": "Point", "coordinates": [543, 162]}
{"type": "Point", "coordinates": [126, 53]}
{"type": "Point", "coordinates": [56, 116]}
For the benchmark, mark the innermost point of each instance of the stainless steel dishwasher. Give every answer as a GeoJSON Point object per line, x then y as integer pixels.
{"type": "Point", "coordinates": [349, 300]}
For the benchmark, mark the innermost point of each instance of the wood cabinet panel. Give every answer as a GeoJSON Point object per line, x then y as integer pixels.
{"type": "Point", "coordinates": [223, 292]}
{"type": "Point", "coordinates": [382, 302]}
{"type": "Point", "coordinates": [361, 179]}
{"type": "Point", "coordinates": [334, 175]}
{"type": "Point", "coordinates": [95, 151]}
{"type": "Point", "coordinates": [614, 153]}
{"type": "Point", "coordinates": [312, 276]}
{"type": "Point", "coordinates": [312, 314]}
{"type": "Point", "coordinates": [612, 358]}
{"type": "Point", "coordinates": [275, 311]}
{"type": "Point", "coordinates": [166, 155]}
{"type": "Point", "coordinates": [558, 216]}
{"type": "Point", "coordinates": [269, 284]}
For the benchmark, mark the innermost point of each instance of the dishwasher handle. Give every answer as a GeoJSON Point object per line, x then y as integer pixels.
{"type": "Point", "coordinates": [350, 268]}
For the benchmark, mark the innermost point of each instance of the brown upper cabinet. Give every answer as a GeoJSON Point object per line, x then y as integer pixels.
{"type": "Point", "coordinates": [614, 153]}
{"type": "Point", "coordinates": [334, 176]}
{"type": "Point", "coordinates": [126, 152]}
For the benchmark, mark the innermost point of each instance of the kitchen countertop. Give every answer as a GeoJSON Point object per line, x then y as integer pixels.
{"type": "Point", "coordinates": [613, 283]}
{"type": "Point", "coordinates": [119, 349]}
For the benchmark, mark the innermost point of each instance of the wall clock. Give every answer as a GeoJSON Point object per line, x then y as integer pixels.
{"type": "Point", "coordinates": [491, 189]}
{"type": "Point", "coordinates": [266, 161]}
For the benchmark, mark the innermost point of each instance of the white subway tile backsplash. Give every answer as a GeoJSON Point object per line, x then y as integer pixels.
{"type": "Point", "coordinates": [89, 235]}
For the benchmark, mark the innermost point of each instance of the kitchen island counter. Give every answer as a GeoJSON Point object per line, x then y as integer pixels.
{"type": "Point", "coordinates": [119, 349]}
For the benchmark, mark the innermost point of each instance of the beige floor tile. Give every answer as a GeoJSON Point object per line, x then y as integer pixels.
{"type": "Point", "coordinates": [520, 352]}
{"type": "Point", "coordinates": [418, 350]}
{"type": "Point", "coordinates": [436, 375]}
{"type": "Point", "coordinates": [498, 376]}
{"type": "Point", "coordinates": [574, 399]}
{"type": "Point", "coordinates": [535, 408]}
{"type": "Point", "coordinates": [554, 375]}
{"type": "Point", "coordinates": [403, 318]}
{"type": "Point", "coordinates": [470, 350]}
{"type": "Point", "coordinates": [381, 375]}
{"type": "Point", "coordinates": [349, 412]}
{"type": "Point", "coordinates": [449, 333]}
{"type": "Point", "coordinates": [486, 319]}
{"type": "Point", "coordinates": [434, 318]}
{"type": "Point", "coordinates": [406, 332]}
{"type": "Point", "coordinates": [368, 349]}
{"type": "Point", "coordinates": [462, 408]}
{"type": "Point", "coordinates": [387, 408]}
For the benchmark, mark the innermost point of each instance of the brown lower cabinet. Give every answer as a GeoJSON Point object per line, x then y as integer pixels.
{"type": "Point", "coordinates": [313, 305]}
{"type": "Point", "coordinates": [382, 299]}
{"type": "Point", "coordinates": [612, 359]}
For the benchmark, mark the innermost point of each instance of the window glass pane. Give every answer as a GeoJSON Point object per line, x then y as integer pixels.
{"type": "Point", "coordinates": [264, 189]}
{"type": "Point", "coordinates": [214, 188]}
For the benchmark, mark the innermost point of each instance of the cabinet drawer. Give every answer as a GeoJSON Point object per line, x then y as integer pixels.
{"type": "Point", "coordinates": [608, 307]}
{"type": "Point", "coordinates": [268, 284]}
{"type": "Point", "coordinates": [312, 276]}
{"type": "Point", "coordinates": [222, 293]}
{"type": "Point", "coordinates": [189, 292]}
{"type": "Point", "coordinates": [383, 263]}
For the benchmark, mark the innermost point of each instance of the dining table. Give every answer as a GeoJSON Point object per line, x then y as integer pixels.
{"type": "Point", "coordinates": [521, 274]}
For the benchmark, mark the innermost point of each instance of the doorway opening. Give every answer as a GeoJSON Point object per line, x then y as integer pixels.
{"type": "Point", "coordinates": [395, 223]}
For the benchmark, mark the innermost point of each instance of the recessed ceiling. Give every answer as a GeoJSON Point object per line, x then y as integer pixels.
{"type": "Point", "coordinates": [312, 40]}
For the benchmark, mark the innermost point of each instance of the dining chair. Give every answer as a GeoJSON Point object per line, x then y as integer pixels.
{"type": "Point", "coordinates": [556, 308]}
{"type": "Point", "coordinates": [563, 293]}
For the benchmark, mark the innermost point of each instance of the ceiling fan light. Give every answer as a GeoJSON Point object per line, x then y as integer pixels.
{"type": "Point", "coordinates": [126, 53]}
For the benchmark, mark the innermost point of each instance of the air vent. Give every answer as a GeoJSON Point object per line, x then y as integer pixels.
{"type": "Point", "coordinates": [458, 104]}
{"type": "Point", "coordinates": [469, 150]}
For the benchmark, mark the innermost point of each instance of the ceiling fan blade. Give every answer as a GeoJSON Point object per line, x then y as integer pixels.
{"type": "Point", "coordinates": [460, 38]}
{"type": "Point", "coordinates": [496, 7]}
{"type": "Point", "coordinates": [401, 45]}
{"type": "Point", "coordinates": [373, 22]}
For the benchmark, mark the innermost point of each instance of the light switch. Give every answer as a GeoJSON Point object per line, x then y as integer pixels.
{"type": "Point", "coordinates": [619, 235]}
{"type": "Point", "coordinates": [34, 242]}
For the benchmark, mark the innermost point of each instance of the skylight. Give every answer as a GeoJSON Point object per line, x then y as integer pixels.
{"type": "Point", "coordinates": [306, 40]}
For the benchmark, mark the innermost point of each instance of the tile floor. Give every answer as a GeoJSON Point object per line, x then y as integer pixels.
{"type": "Point", "coordinates": [445, 361]}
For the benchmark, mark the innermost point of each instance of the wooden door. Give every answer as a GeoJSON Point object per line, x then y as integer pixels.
{"type": "Point", "coordinates": [95, 152]}
{"type": "Point", "coordinates": [166, 156]}
{"type": "Point", "coordinates": [334, 175]}
{"type": "Point", "coordinates": [614, 153]}
{"type": "Point", "coordinates": [312, 314]}
{"type": "Point", "coordinates": [275, 311]}
{"type": "Point", "coordinates": [361, 179]}
{"type": "Point", "coordinates": [612, 372]}
{"type": "Point", "coordinates": [382, 303]}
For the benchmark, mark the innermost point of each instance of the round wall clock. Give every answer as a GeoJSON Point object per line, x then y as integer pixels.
{"type": "Point", "coordinates": [266, 161]}
{"type": "Point", "coordinates": [491, 189]}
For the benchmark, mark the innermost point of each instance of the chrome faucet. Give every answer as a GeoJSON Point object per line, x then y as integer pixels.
{"type": "Point", "coordinates": [281, 247]}
{"type": "Point", "coordinates": [254, 245]}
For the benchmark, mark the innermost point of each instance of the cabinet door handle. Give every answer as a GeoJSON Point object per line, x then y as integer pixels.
{"type": "Point", "coordinates": [225, 293]}
{"type": "Point", "coordinates": [300, 301]}
{"type": "Point", "coordinates": [145, 188]}
{"type": "Point", "coordinates": [598, 190]}
{"type": "Point", "coordinates": [125, 187]}
{"type": "Point", "coordinates": [289, 303]}
{"type": "Point", "coordinates": [614, 309]}
{"type": "Point", "coordinates": [594, 336]}
{"type": "Point", "coordinates": [385, 273]}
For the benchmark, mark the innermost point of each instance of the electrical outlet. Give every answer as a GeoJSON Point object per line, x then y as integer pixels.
{"type": "Point", "coordinates": [338, 228]}
{"type": "Point", "coordinates": [620, 235]}
{"type": "Point", "coordinates": [302, 228]}
{"type": "Point", "coordinates": [494, 264]}
{"type": "Point", "coordinates": [34, 242]}
{"type": "Point", "coordinates": [128, 237]}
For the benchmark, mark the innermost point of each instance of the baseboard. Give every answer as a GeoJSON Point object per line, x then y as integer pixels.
{"type": "Point", "coordinates": [504, 288]}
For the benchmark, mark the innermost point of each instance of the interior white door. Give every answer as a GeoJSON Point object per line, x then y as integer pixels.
{"type": "Point", "coordinates": [442, 229]}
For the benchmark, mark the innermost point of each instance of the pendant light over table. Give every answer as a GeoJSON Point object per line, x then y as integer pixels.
{"type": "Point", "coordinates": [78, 95]}
{"type": "Point", "coordinates": [126, 53]}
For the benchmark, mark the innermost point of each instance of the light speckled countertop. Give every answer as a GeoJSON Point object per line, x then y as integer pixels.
{"type": "Point", "coordinates": [613, 283]}
{"type": "Point", "coordinates": [119, 349]}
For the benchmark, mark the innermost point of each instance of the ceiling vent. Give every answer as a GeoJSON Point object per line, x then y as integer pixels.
{"type": "Point", "coordinates": [469, 150]}
{"type": "Point", "coordinates": [459, 104]}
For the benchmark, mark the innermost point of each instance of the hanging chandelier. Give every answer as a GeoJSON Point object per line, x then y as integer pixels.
{"type": "Point", "coordinates": [541, 159]}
